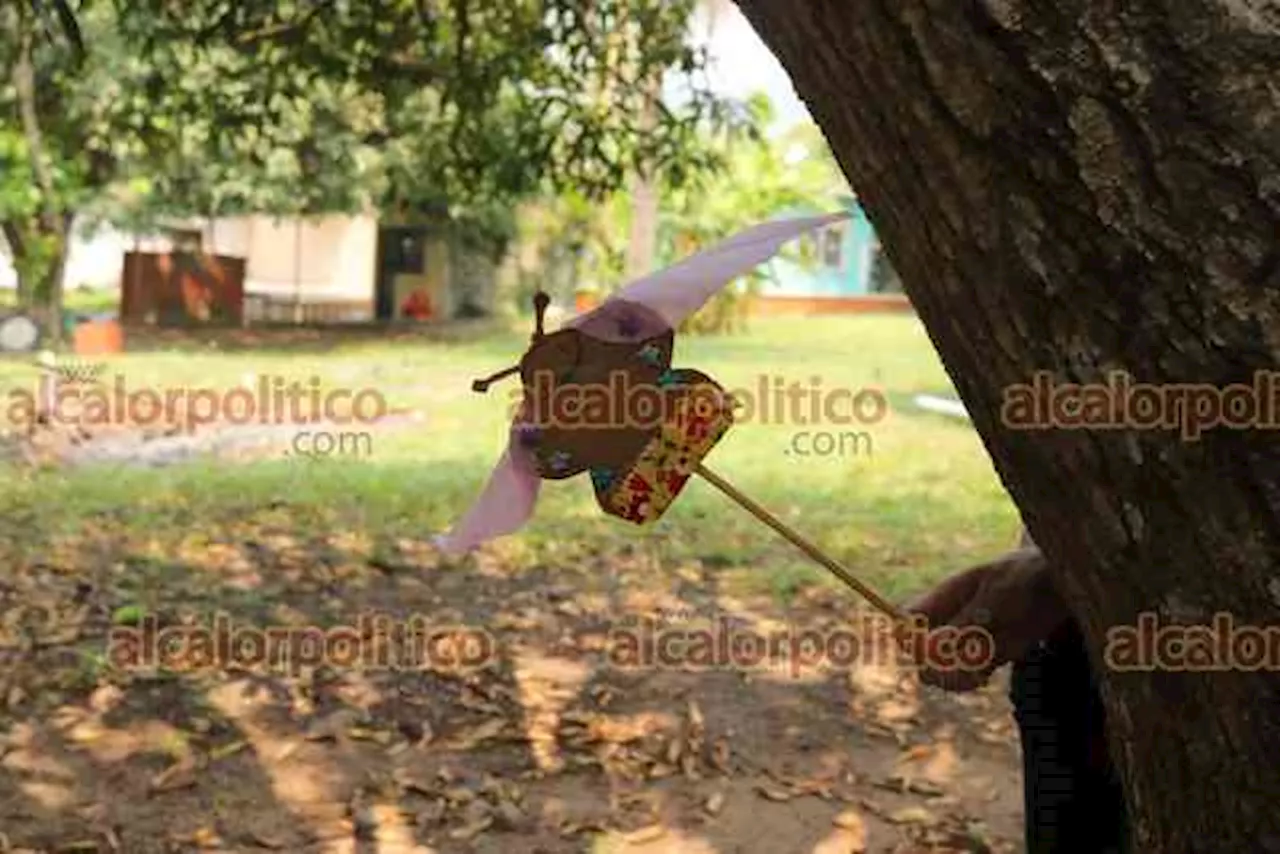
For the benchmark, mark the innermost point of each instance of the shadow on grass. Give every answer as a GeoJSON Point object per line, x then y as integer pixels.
{"type": "Point", "coordinates": [545, 747]}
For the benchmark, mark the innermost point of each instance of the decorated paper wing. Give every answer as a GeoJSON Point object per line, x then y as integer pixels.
{"type": "Point", "coordinates": [695, 415]}
{"type": "Point", "coordinates": [637, 469]}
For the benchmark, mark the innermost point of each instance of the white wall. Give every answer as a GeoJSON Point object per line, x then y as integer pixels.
{"type": "Point", "coordinates": [93, 261]}
{"type": "Point", "coordinates": [323, 258]}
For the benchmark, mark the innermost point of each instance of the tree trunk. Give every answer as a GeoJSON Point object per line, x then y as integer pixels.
{"type": "Point", "coordinates": [43, 247]}
{"type": "Point", "coordinates": [52, 286]}
{"type": "Point", "coordinates": [1081, 187]}
{"type": "Point", "coordinates": [17, 252]}
{"type": "Point", "coordinates": [40, 260]}
{"type": "Point", "coordinates": [642, 246]}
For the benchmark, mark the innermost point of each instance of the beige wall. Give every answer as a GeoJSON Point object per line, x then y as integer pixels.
{"type": "Point", "coordinates": [322, 259]}
{"type": "Point", "coordinates": [318, 258]}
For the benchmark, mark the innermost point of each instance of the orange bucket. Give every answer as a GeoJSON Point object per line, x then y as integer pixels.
{"type": "Point", "coordinates": [98, 337]}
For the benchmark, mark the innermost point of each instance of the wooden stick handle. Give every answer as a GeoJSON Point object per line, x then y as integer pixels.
{"type": "Point", "coordinates": [804, 545]}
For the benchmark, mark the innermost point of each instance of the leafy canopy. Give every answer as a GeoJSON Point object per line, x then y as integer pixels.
{"type": "Point", "coordinates": [412, 104]}
{"type": "Point", "coordinates": [178, 107]}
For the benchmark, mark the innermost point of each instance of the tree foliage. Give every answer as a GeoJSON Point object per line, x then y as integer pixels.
{"type": "Point", "coordinates": [411, 107]}
{"type": "Point", "coordinates": [460, 102]}
{"type": "Point", "coordinates": [743, 176]}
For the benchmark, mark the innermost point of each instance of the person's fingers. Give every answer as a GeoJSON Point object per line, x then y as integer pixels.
{"type": "Point", "coordinates": [943, 666]}
{"type": "Point", "coordinates": [941, 602]}
{"type": "Point", "coordinates": [1009, 598]}
{"type": "Point", "coordinates": [956, 679]}
{"type": "Point", "coordinates": [1017, 605]}
{"type": "Point", "coordinates": [934, 655]}
{"type": "Point", "coordinates": [947, 671]}
{"type": "Point", "coordinates": [938, 607]}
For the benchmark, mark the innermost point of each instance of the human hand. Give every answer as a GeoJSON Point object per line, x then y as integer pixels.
{"type": "Point", "coordinates": [1011, 598]}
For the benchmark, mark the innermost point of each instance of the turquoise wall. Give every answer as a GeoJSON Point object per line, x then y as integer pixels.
{"type": "Point", "coordinates": [834, 274]}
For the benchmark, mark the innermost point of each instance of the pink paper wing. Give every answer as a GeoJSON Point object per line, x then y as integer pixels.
{"type": "Point", "coordinates": [504, 506]}
{"type": "Point", "coordinates": [620, 321]}
{"type": "Point", "coordinates": [683, 288]}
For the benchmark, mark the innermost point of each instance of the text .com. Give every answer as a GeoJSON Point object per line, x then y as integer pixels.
{"type": "Point", "coordinates": [331, 444]}
{"type": "Point", "coordinates": [829, 443]}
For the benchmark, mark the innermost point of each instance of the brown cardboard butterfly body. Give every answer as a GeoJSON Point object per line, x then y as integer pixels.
{"type": "Point", "coordinates": [617, 409]}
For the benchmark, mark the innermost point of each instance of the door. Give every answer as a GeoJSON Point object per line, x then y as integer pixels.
{"type": "Point", "coordinates": [401, 250]}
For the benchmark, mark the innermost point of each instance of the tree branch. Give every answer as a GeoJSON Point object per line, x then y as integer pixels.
{"type": "Point", "coordinates": [70, 27]}
{"type": "Point", "coordinates": [282, 28]}
{"type": "Point", "coordinates": [24, 86]}
{"type": "Point", "coordinates": [13, 236]}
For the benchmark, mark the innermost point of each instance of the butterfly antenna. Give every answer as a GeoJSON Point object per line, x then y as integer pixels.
{"type": "Point", "coordinates": [540, 302]}
{"type": "Point", "coordinates": [482, 386]}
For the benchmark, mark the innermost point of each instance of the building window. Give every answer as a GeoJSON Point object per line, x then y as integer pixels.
{"type": "Point", "coordinates": [808, 248]}
{"type": "Point", "coordinates": [833, 247]}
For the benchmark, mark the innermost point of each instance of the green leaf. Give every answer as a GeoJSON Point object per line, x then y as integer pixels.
{"type": "Point", "coordinates": [127, 615]}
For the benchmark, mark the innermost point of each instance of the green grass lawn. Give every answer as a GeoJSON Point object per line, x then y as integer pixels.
{"type": "Point", "coordinates": [922, 502]}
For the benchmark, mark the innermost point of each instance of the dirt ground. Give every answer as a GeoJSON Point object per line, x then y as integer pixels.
{"type": "Point", "coordinates": [550, 746]}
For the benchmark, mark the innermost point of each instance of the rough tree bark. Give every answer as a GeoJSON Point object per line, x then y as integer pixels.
{"type": "Point", "coordinates": [1079, 187]}
{"type": "Point", "coordinates": [40, 284]}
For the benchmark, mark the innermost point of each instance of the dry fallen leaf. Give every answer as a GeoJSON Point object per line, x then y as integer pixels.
{"type": "Point", "coordinates": [271, 843]}
{"type": "Point", "coordinates": [696, 719]}
{"type": "Point", "coordinates": [508, 816]}
{"type": "Point", "coordinates": [941, 767]}
{"type": "Point", "coordinates": [913, 815]}
{"type": "Point", "coordinates": [227, 750]}
{"type": "Point", "coordinates": [459, 795]}
{"type": "Point", "coordinates": [470, 831]}
{"type": "Point", "coordinates": [469, 738]}
{"type": "Point", "coordinates": [920, 751]}
{"type": "Point", "coordinates": [179, 776]}
{"type": "Point", "coordinates": [646, 834]}
{"type": "Point", "coordinates": [915, 786]}
{"type": "Point", "coordinates": [855, 828]}
{"type": "Point", "coordinates": [573, 828]}
{"type": "Point", "coordinates": [204, 837]}
{"type": "Point", "coordinates": [773, 794]}
{"type": "Point", "coordinates": [432, 814]}
{"type": "Point", "coordinates": [477, 812]}
{"type": "Point", "coordinates": [378, 736]}
{"type": "Point", "coordinates": [720, 754]}
{"type": "Point", "coordinates": [689, 765]}
{"type": "Point", "coordinates": [329, 727]}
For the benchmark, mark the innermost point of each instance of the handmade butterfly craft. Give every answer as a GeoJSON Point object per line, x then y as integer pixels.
{"type": "Point", "coordinates": [600, 396]}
